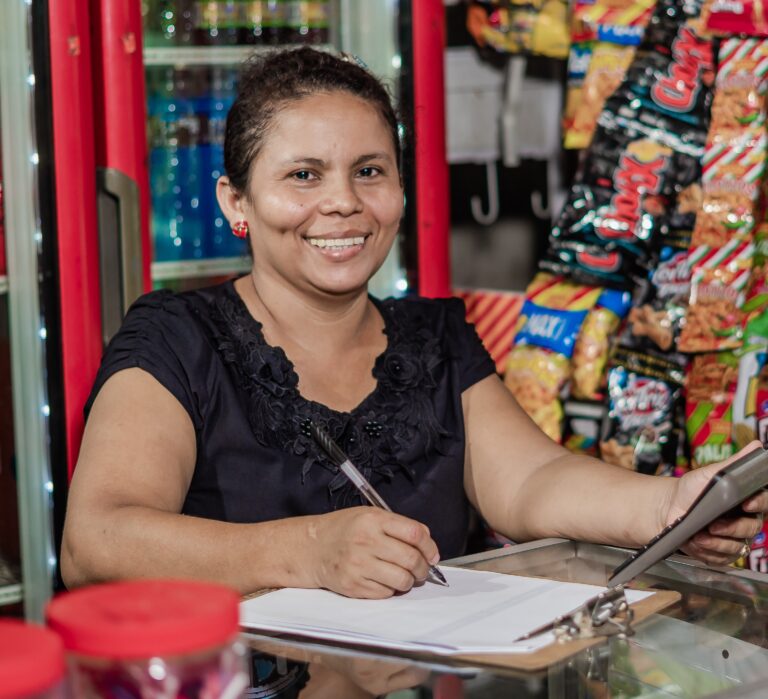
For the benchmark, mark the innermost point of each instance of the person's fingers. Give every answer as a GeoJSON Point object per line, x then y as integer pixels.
{"type": "Point", "coordinates": [404, 555]}
{"type": "Point", "coordinates": [757, 503]}
{"type": "Point", "coordinates": [718, 545]}
{"type": "Point", "coordinates": [741, 528]}
{"type": "Point", "coordinates": [704, 551]}
{"type": "Point", "coordinates": [392, 576]}
{"type": "Point", "coordinates": [367, 588]}
{"type": "Point", "coordinates": [413, 533]}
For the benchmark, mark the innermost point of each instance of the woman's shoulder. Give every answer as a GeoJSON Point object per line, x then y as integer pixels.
{"type": "Point", "coordinates": [170, 308]}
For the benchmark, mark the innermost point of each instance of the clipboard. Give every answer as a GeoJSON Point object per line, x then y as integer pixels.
{"type": "Point", "coordinates": [565, 645]}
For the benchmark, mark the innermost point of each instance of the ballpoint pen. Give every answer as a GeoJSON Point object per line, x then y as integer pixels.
{"type": "Point", "coordinates": [360, 482]}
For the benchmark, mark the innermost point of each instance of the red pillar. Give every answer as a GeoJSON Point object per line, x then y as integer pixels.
{"type": "Point", "coordinates": [432, 203]}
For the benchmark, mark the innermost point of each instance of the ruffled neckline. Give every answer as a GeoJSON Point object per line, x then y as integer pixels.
{"type": "Point", "coordinates": [393, 426]}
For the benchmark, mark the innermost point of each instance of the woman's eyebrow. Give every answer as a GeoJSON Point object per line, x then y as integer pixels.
{"type": "Point", "coordinates": [371, 156]}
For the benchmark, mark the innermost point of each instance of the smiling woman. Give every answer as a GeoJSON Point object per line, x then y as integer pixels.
{"type": "Point", "coordinates": [195, 460]}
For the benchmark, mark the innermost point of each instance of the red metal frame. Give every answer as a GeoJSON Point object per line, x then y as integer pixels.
{"type": "Point", "coordinates": [121, 106]}
{"type": "Point", "coordinates": [75, 172]}
{"type": "Point", "coordinates": [432, 189]}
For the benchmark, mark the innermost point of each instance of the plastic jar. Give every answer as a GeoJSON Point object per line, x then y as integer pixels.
{"type": "Point", "coordinates": [151, 638]}
{"type": "Point", "coordinates": [31, 662]}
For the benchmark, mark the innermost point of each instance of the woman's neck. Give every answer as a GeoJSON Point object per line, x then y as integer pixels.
{"type": "Point", "coordinates": [318, 323]}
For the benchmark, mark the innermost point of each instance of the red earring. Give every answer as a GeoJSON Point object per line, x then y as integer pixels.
{"type": "Point", "coordinates": [240, 229]}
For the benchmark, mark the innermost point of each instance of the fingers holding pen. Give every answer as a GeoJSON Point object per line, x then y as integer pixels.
{"type": "Point", "coordinates": [370, 553]}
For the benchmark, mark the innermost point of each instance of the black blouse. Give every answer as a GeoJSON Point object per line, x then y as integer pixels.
{"type": "Point", "coordinates": [254, 461]}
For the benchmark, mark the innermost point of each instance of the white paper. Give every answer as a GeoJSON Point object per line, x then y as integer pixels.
{"type": "Point", "coordinates": [480, 612]}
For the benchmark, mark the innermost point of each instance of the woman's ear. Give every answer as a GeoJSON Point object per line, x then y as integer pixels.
{"type": "Point", "coordinates": [230, 201]}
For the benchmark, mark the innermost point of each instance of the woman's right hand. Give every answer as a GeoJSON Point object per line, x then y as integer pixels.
{"type": "Point", "coordinates": [369, 553]}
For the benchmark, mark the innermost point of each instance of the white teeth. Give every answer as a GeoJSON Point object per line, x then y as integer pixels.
{"type": "Point", "coordinates": [338, 243]}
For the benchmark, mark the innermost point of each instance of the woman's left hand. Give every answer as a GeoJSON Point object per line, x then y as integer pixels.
{"type": "Point", "coordinates": [722, 542]}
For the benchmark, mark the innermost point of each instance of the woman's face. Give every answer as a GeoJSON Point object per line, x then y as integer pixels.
{"type": "Point", "coordinates": [325, 198]}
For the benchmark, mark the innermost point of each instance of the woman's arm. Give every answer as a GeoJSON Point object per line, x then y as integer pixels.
{"type": "Point", "coordinates": [528, 487]}
{"type": "Point", "coordinates": [123, 514]}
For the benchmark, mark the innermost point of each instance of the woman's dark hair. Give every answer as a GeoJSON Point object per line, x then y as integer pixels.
{"type": "Point", "coordinates": [270, 81]}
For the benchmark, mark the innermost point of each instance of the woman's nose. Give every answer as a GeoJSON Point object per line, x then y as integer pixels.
{"type": "Point", "coordinates": [341, 197]}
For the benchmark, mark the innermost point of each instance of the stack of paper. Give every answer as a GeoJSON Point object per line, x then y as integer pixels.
{"type": "Point", "coordinates": [480, 612]}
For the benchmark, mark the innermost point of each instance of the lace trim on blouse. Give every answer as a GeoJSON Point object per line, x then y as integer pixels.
{"type": "Point", "coordinates": [394, 425]}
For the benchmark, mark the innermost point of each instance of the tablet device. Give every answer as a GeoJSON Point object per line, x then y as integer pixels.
{"type": "Point", "coordinates": [722, 497]}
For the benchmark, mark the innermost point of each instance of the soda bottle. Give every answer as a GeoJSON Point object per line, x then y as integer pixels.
{"type": "Point", "coordinates": [252, 22]}
{"type": "Point", "coordinates": [216, 22]}
{"type": "Point", "coordinates": [185, 22]}
{"type": "Point", "coordinates": [307, 21]}
{"type": "Point", "coordinates": [159, 22]}
{"type": "Point", "coordinates": [161, 109]}
{"type": "Point", "coordinates": [189, 85]}
{"type": "Point", "coordinates": [220, 241]}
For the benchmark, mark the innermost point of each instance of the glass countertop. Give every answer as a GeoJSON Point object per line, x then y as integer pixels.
{"type": "Point", "coordinates": [712, 643]}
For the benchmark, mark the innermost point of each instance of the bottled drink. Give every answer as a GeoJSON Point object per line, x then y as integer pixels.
{"type": "Point", "coordinates": [161, 108]}
{"type": "Point", "coordinates": [307, 21]}
{"type": "Point", "coordinates": [217, 22]}
{"type": "Point", "coordinates": [262, 22]}
{"type": "Point", "coordinates": [219, 240]}
{"type": "Point", "coordinates": [189, 86]}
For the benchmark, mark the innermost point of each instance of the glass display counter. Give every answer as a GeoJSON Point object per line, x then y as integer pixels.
{"type": "Point", "coordinates": [712, 643]}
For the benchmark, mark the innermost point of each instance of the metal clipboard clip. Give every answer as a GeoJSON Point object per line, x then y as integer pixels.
{"type": "Point", "coordinates": [605, 614]}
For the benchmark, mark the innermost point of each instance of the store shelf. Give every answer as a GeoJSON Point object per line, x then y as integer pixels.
{"type": "Point", "coordinates": [206, 55]}
{"type": "Point", "coordinates": [10, 594]}
{"type": "Point", "coordinates": [188, 269]}
{"type": "Point", "coordinates": [3, 285]}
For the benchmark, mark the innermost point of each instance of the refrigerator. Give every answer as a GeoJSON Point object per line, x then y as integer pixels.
{"type": "Point", "coordinates": [111, 131]}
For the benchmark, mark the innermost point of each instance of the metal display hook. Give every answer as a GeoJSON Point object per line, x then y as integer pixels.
{"type": "Point", "coordinates": [476, 203]}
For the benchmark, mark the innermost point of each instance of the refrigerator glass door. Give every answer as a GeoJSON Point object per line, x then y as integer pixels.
{"type": "Point", "coordinates": [27, 560]}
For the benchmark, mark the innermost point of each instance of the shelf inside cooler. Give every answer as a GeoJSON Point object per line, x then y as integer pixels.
{"type": "Point", "coordinates": [3, 285]}
{"type": "Point", "coordinates": [186, 269]}
{"type": "Point", "coordinates": [208, 55]}
{"type": "Point", "coordinates": [10, 594]}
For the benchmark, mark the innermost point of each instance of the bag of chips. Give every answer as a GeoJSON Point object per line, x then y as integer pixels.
{"type": "Point", "coordinates": [594, 342]}
{"type": "Point", "coordinates": [643, 394]}
{"type": "Point", "coordinates": [646, 151]}
{"type": "Point", "coordinates": [539, 366]}
{"type": "Point", "coordinates": [656, 322]}
{"type": "Point", "coordinates": [710, 391]}
{"type": "Point", "coordinates": [715, 317]}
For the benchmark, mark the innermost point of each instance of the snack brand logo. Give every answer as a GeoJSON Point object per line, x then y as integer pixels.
{"type": "Point", "coordinates": [634, 177]}
{"type": "Point", "coordinates": [673, 277]}
{"type": "Point", "coordinates": [600, 263]}
{"type": "Point", "coordinates": [717, 292]}
{"type": "Point", "coordinates": [712, 453]}
{"type": "Point", "coordinates": [542, 325]}
{"type": "Point", "coordinates": [677, 91]}
{"type": "Point", "coordinates": [728, 6]}
{"type": "Point", "coordinates": [644, 402]}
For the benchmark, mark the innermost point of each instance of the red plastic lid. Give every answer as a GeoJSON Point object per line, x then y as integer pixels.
{"type": "Point", "coordinates": [31, 659]}
{"type": "Point", "coordinates": [145, 618]}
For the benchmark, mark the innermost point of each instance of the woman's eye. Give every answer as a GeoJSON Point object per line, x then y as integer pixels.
{"type": "Point", "coordinates": [369, 171]}
{"type": "Point", "coordinates": [303, 175]}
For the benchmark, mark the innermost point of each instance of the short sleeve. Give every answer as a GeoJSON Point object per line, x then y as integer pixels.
{"type": "Point", "coordinates": [157, 335]}
{"type": "Point", "coordinates": [465, 345]}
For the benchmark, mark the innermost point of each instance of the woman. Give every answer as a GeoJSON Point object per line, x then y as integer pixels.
{"type": "Point", "coordinates": [194, 461]}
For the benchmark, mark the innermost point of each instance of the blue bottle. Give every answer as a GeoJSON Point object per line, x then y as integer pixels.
{"type": "Point", "coordinates": [221, 242]}
{"type": "Point", "coordinates": [161, 110]}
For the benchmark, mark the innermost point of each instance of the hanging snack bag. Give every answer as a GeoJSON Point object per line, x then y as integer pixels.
{"type": "Point", "coordinates": [750, 403]}
{"type": "Point", "coordinates": [607, 67]}
{"type": "Point", "coordinates": [747, 17]}
{"type": "Point", "coordinates": [710, 391]}
{"type": "Point", "coordinates": [620, 22]}
{"type": "Point", "coordinates": [715, 317]}
{"type": "Point", "coordinates": [655, 323]}
{"type": "Point", "coordinates": [581, 426]}
{"type": "Point", "coordinates": [735, 155]}
{"type": "Point", "coordinates": [539, 364]}
{"type": "Point", "coordinates": [579, 58]}
{"type": "Point", "coordinates": [645, 151]}
{"type": "Point", "coordinates": [593, 344]}
{"type": "Point", "coordinates": [643, 393]}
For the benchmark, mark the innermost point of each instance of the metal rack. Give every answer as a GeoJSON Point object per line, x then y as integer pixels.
{"type": "Point", "coordinates": [198, 269]}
